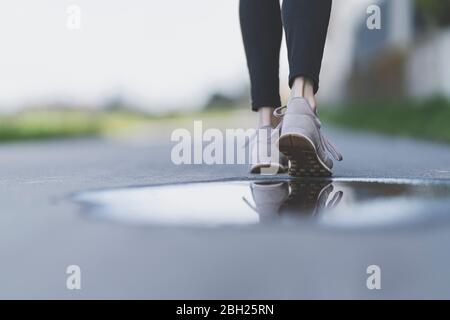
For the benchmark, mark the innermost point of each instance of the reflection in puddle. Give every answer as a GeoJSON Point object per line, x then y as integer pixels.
{"type": "Point", "coordinates": [344, 203]}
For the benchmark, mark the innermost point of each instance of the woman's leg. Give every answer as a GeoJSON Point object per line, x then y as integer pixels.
{"type": "Point", "coordinates": [306, 24]}
{"type": "Point", "coordinates": [301, 140]}
{"type": "Point", "coordinates": [262, 32]}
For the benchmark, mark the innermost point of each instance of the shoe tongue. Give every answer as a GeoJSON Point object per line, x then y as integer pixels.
{"type": "Point", "coordinates": [300, 105]}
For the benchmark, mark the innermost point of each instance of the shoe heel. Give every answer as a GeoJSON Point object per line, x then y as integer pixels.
{"type": "Point", "coordinates": [302, 154]}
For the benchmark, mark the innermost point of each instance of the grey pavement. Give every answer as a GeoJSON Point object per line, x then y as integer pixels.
{"type": "Point", "coordinates": [42, 230]}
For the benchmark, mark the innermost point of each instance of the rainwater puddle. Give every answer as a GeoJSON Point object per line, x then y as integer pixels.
{"type": "Point", "coordinates": [339, 203]}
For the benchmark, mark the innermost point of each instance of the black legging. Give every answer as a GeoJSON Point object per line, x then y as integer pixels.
{"type": "Point", "coordinates": [305, 23]}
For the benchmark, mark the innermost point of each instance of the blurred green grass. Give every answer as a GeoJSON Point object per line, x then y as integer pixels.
{"type": "Point", "coordinates": [46, 124]}
{"type": "Point", "coordinates": [55, 123]}
{"type": "Point", "coordinates": [424, 119]}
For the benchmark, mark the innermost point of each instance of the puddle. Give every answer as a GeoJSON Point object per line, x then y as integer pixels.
{"type": "Point", "coordinates": [338, 203]}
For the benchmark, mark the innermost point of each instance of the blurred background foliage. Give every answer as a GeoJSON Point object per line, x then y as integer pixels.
{"type": "Point", "coordinates": [434, 13]}
{"type": "Point", "coordinates": [395, 81]}
{"type": "Point", "coordinates": [423, 119]}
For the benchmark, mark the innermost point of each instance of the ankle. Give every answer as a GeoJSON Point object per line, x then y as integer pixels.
{"type": "Point", "coordinates": [304, 87]}
{"type": "Point", "coordinates": [266, 118]}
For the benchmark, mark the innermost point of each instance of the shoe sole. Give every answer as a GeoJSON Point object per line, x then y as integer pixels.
{"type": "Point", "coordinates": [302, 154]}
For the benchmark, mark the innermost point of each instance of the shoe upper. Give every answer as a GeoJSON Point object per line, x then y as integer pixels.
{"type": "Point", "coordinates": [264, 153]}
{"type": "Point", "coordinates": [269, 197]}
{"type": "Point", "coordinates": [299, 118]}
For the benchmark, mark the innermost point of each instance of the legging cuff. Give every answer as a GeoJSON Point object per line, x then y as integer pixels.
{"type": "Point", "coordinates": [304, 74]}
{"type": "Point", "coordinates": [274, 102]}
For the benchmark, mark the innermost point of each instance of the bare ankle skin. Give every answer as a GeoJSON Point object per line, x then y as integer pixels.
{"type": "Point", "coordinates": [266, 118]}
{"type": "Point", "coordinates": [304, 87]}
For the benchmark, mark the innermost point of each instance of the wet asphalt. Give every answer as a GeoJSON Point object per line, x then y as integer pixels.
{"type": "Point", "coordinates": [42, 231]}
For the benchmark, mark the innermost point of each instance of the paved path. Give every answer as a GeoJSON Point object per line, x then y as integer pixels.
{"type": "Point", "coordinates": [41, 231]}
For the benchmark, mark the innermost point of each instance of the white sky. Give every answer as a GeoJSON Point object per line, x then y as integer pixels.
{"type": "Point", "coordinates": [160, 54]}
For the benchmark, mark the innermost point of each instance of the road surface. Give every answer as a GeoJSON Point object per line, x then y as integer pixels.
{"type": "Point", "coordinates": [42, 231]}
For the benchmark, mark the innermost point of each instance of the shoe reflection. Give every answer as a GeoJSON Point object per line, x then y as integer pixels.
{"type": "Point", "coordinates": [292, 199]}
